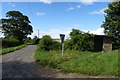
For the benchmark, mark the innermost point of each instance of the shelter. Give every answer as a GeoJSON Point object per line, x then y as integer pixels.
{"type": "Point", "coordinates": [102, 43]}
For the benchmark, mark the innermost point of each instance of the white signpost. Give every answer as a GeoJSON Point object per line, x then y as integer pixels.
{"type": "Point", "coordinates": [62, 41]}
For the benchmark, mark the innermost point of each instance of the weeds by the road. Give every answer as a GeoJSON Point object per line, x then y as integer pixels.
{"type": "Point", "coordinates": [11, 49]}
{"type": "Point", "coordinates": [91, 63]}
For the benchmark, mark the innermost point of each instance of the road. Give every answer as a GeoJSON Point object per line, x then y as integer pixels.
{"type": "Point", "coordinates": [21, 64]}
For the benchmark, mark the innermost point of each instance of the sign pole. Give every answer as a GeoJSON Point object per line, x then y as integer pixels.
{"type": "Point", "coordinates": [62, 41]}
{"type": "Point", "coordinates": [62, 49]}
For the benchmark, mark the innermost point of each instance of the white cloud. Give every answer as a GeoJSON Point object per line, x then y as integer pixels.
{"type": "Point", "coordinates": [70, 8]}
{"type": "Point", "coordinates": [11, 4]}
{"type": "Point", "coordinates": [99, 31]}
{"type": "Point", "coordinates": [99, 12]}
{"type": "Point", "coordinates": [46, 1]}
{"type": "Point", "coordinates": [54, 33]}
{"type": "Point", "coordinates": [88, 2]}
{"type": "Point", "coordinates": [50, 1]}
{"type": "Point", "coordinates": [74, 7]}
{"type": "Point", "coordinates": [40, 13]}
{"type": "Point", "coordinates": [78, 6]}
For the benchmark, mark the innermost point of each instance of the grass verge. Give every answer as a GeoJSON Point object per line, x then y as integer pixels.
{"type": "Point", "coordinates": [11, 49]}
{"type": "Point", "coordinates": [89, 63]}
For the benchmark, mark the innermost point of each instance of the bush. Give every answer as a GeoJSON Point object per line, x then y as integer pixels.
{"type": "Point", "coordinates": [10, 42]}
{"type": "Point", "coordinates": [26, 40]}
{"type": "Point", "coordinates": [56, 45]}
{"type": "Point", "coordinates": [46, 43]}
{"type": "Point", "coordinates": [80, 41]}
{"type": "Point", "coordinates": [35, 40]}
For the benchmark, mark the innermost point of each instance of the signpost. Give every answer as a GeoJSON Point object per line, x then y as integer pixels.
{"type": "Point", "coordinates": [62, 41]}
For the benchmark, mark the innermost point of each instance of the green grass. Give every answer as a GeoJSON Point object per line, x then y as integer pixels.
{"type": "Point", "coordinates": [90, 63]}
{"type": "Point", "coordinates": [11, 49]}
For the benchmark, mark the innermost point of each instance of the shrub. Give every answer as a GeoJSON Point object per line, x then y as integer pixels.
{"type": "Point", "coordinates": [80, 41]}
{"type": "Point", "coordinates": [35, 40]}
{"type": "Point", "coordinates": [56, 45]}
{"type": "Point", "coordinates": [10, 42]}
{"type": "Point", "coordinates": [26, 40]}
{"type": "Point", "coordinates": [46, 43]}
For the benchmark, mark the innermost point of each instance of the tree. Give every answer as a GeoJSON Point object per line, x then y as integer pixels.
{"type": "Point", "coordinates": [17, 25]}
{"type": "Point", "coordinates": [80, 41]}
{"type": "Point", "coordinates": [75, 36]}
{"type": "Point", "coordinates": [111, 24]}
{"type": "Point", "coordinates": [35, 40]}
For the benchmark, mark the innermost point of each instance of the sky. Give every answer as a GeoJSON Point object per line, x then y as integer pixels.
{"type": "Point", "coordinates": [54, 18]}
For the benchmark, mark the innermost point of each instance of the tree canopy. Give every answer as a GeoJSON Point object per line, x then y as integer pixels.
{"type": "Point", "coordinates": [111, 24]}
{"type": "Point", "coordinates": [80, 40]}
{"type": "Point", "coordinates": [16, 25]}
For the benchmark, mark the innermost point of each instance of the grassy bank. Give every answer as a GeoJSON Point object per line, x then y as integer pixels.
{"type": "Point", "coordinates": [80, 62]}
{"type": "Point", "coordinates": [11, 49]}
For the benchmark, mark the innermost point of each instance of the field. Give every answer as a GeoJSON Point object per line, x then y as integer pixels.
{"type": "Point", "coordinates": [88, 63]}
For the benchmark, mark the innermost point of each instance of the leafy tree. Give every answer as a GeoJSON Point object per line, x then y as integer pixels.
{"type": "Point", "coordinates": [112, 23]}
{"type": "Point", "coordinates": [35, 40]}
{"type": "Point", "coordinates": [26, 40]}
{"type": "Point", "coordinates": [75, 36]}
{"type": "Point", "coordinates": [80, 41]}
{"type": "Point", "coordinates": [17, 25]}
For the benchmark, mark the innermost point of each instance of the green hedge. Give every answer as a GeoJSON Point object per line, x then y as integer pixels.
{"type": "Point", "coordinates": [6, 42]}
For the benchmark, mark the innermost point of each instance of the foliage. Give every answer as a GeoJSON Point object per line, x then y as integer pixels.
{"type": "Point", "coordinates": [10, 42]}
{"type": "Point", "coordinates": [101, 63]}
{"type": "Point", "coordinates": [56, 45]}
{"type": "Point", "coordinates": [46, 44]}
{"type": "Point", "coordinates": [112, 23]}
{"type": "Point", "coordinates": [80, 41]}
{"type": "Point", "coordinates": [26, 40]}
{"type": "Point", "coordinates": [35, 40]}
{"type": "Point", "coordinates": [11, 49]}
{"type": "Point", "coordinates": [16, 25]}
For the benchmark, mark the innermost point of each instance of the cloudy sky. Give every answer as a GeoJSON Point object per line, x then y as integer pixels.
{"type": "Point", "coordinates": [54, 18]}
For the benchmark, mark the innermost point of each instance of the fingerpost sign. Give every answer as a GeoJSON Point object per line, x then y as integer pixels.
{"type": "Point", "coordinates": [62, 36]}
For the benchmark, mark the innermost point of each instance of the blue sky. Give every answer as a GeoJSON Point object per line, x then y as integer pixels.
{"type": "Point", "coordinates": [60, 17]}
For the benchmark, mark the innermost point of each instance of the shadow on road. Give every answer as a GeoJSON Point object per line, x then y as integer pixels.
{"type": "Point", "coordinates": [17, 69]}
